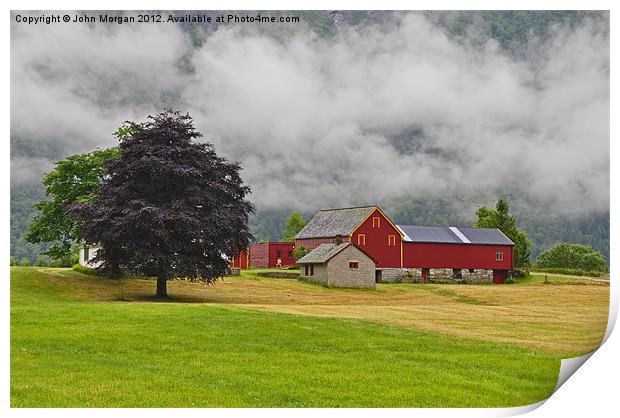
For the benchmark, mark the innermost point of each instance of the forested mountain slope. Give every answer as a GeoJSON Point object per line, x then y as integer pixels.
{"type": "Point", "coordinates": [517, 34]}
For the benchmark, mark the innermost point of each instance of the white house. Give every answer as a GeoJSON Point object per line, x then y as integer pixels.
{"type": "Point", "coordinates": [87, 253]}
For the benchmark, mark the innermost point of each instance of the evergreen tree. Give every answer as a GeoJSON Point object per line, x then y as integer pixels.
{"type": "Point", "coordinates": [500, 218]}
{"type": "Point", "coordinates": [294, 224]}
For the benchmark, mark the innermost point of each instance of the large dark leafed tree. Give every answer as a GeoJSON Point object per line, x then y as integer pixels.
{"type": "Point", "coordinates": [169, 206]}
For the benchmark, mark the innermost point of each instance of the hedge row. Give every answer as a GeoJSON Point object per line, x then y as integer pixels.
{"type": "Point", "coordinates": [278, 274]}
{"type": "Point", "coordinates": [83, 269]}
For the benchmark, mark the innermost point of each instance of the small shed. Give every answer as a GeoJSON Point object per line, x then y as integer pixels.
{"type": "Point", "coordinates": [338, 265]}
{"type": "Point", "coordinates": [272, 254]}
{"type": "Point", "coordinates": [240, 261]}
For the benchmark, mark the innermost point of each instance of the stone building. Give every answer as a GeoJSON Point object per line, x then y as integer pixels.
{"type": "Point", "coordinates": [338, 265]}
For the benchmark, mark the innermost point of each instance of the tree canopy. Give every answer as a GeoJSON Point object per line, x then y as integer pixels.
{"type": "Point", "coordinates": [500, 218]}
{"type": "Point", "coordinates": [169, 207]}
{"type": "Point", "coordinates": [572, 256]}
{"type": "Point", "coordinates": [294, 224]}
{"type": "Point", "coordinates": [73, 180]}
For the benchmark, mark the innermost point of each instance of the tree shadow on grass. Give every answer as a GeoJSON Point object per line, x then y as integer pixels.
{"type": "Point", "coordinates": [168, 299]}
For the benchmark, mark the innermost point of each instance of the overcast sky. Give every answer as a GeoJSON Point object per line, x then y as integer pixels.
{"type": "Point", "coordinates": [322, 122]}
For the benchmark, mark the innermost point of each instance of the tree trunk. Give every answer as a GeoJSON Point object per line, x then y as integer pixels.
{"type": "Point", "coordinates": [115, 270]}
{"type": "Point", "coordinates": [161, 288]}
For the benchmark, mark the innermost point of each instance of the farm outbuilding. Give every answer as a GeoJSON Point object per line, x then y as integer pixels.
{"type": "Point", "coordinates": [272, 254]}
{"type": "Point", "coordinates": [412, 252]}
{"type": "Point", "coordinates": [266, 255]}
{"type": "Point", "coordinates": [338, 265]}
{"type": "Point", "coordinates": [241, 261]}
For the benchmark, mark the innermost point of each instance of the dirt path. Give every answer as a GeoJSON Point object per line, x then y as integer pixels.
{"type": "Point", "coordinates": [568, 276]}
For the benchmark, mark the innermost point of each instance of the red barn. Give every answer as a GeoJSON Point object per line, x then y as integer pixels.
{"type": "Point", "coordinates": [367, 227]}
{"type": "Point", "coordinates": [410, 246]}
{"type": "Point", "coordinates": [241, 261]}
{"type": "Point", "coordinates": [433, 247]}
{"type": "Point", "coordinates": [272, 254]}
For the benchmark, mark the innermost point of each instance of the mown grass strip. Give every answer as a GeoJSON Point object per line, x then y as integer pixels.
{"type": "Point", "coordinates": [67, 353]}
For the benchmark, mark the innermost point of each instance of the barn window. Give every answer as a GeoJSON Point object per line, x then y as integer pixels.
{"type": "Point", "coordinates": [391, 239]}
{"type": "Point", "coordinates": [499, 255]}
{"type": "Point", "coordinates": [290, 254]}
{"type": "Point", "coordinates": [361, 239]}
{"type": "Point", "coordinates": [376, 222]}
{"type": "Point", "coordinates": [306, 270]}
{"type": "Point", "coordinates": [311, 269]}
{"type": "Point", "coordinates": [353, 264]}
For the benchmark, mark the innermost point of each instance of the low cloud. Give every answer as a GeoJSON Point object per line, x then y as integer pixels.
{"type": "Point", "coordinates": [369, 115]}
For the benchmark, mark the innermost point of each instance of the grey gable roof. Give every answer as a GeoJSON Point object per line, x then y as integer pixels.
{"type": "Point", "coordinates": [334, 222]}
{"type": "Point", "coordinates": [418, 233]}
{"type": "Point", "coordinates": [486, 236]}
{"type": "Point", "coordinates": [323, 253]}
{"type": "Point", "coordinates": [450, 235]}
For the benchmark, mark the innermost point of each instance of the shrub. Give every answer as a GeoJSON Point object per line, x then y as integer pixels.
{"type": "Point", "coordinates": [572, 256]}
{"type": "Point", "coordinates": [25, 262]}
{"type": "Point", "coordinates": [41, 261]}
{"type": "Point", "coordinates": [83, 269]}
{"type": "Point", "coordinates": [520, 273]}
{"type": "Point", "coordinates": [68, 261]}
{"type": "Point", "coordinates": [300, 252]}
{"type": "Point", "coordinates": [14, 261]}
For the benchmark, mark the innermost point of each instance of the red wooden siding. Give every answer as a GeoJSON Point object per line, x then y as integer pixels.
{"type": "Point", "coordinates": [266, 254]}
{"type": "Point", "coordinates": [285, 251]}
{"type": "Point", "coordinates": [312, 243]}
{"type": "Point", "coordinates": [459, 256]}
{"type": "Point", "coordinates": [241, 261]}
{"type": "Point", "coordinates": [372, 236]}
{"type": "Point", "coordinates": [259, 255]}
{"type": "Point", "coordinates": [499, 276]}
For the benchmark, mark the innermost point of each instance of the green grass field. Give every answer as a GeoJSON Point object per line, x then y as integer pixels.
{"type": "Point", "coordinates": [75, 344]}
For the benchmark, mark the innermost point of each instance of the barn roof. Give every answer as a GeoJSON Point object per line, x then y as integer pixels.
{"type": "Point", "coordinates": [486, 236]}
{"type": "Point", "coordinates": [335, 222]}
{"type": "Point", "coordinates": [323, 253]}
{"type": "Point", "coordinates": [454, 235]}
{"type": "Point", "coordinates": [417, 233]}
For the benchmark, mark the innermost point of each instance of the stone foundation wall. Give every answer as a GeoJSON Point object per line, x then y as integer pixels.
{"type": "Point", "coordinates": [234, 271]}
{"type": "Point", "coordinates": [440, 274]}
{"type": "Point", "coordinates": [448, 276]}
{"type": "Point", "coordinates": [397, 275]}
